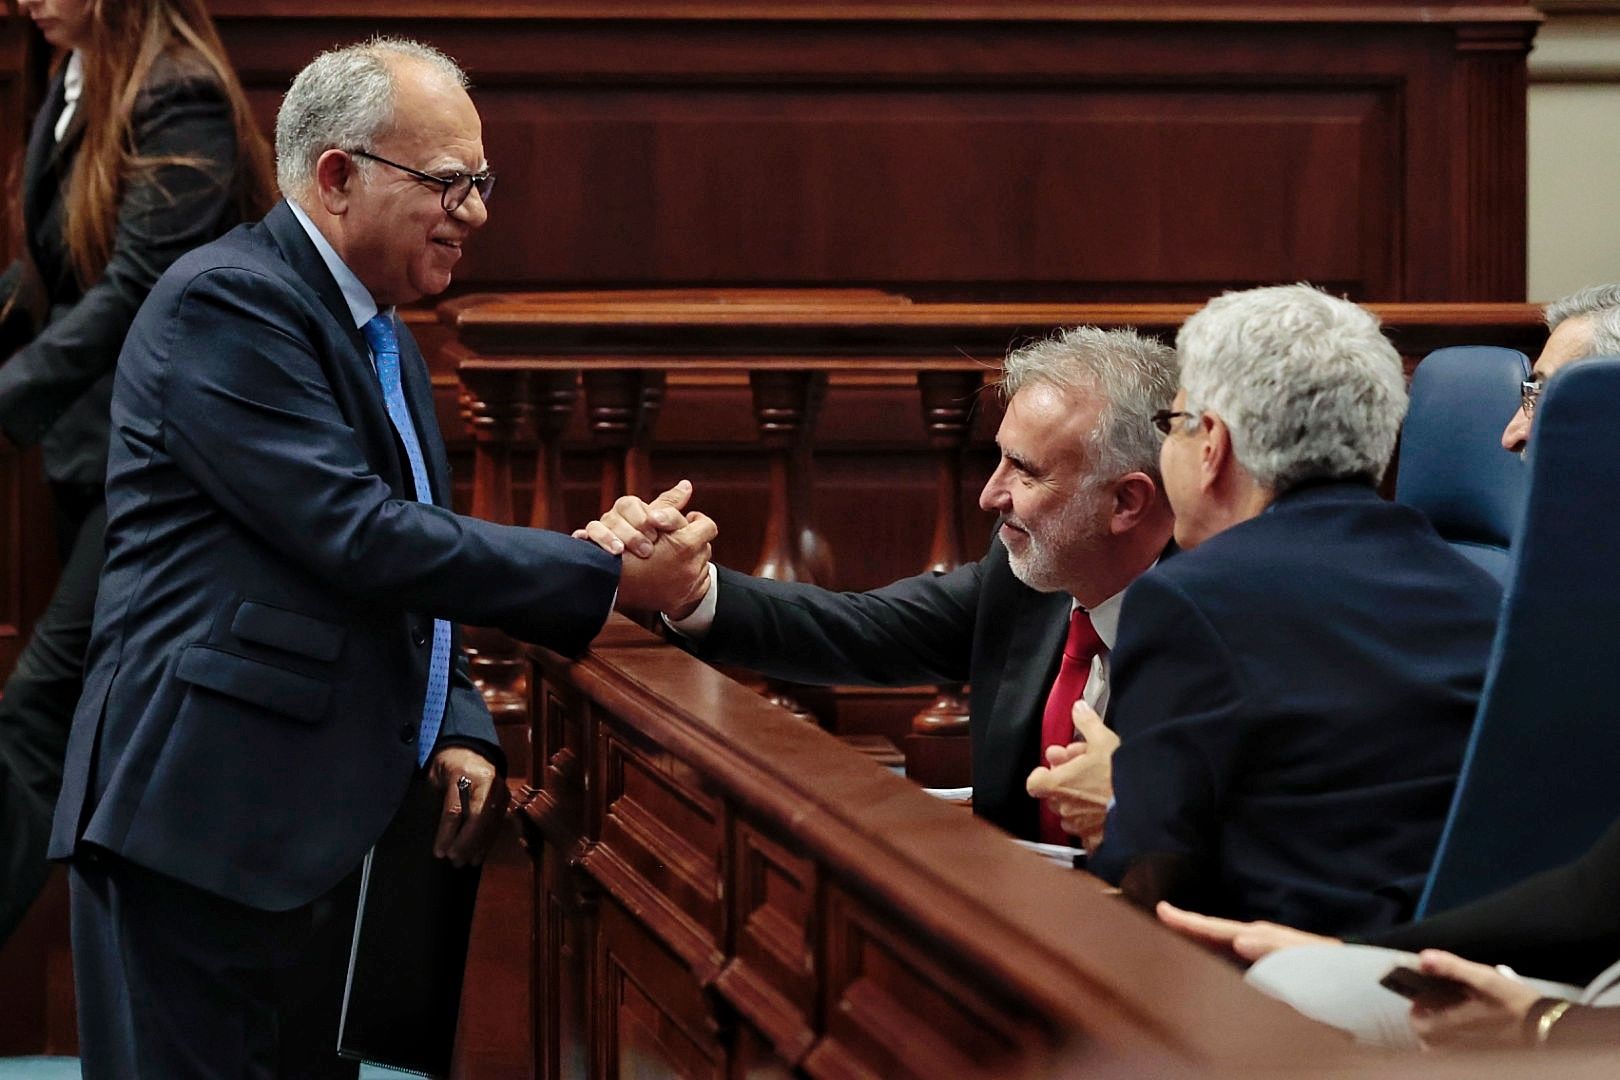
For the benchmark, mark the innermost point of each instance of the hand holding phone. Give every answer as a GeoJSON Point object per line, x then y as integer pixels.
{"type": "Point", "coordinates": [1430, 991]}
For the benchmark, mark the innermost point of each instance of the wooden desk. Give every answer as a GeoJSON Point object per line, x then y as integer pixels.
{"type": "Point", "coordinates": [725, 891]}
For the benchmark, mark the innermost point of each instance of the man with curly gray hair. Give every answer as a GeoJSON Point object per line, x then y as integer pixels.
{"type": "Point", "coordinates": [1293, 693]}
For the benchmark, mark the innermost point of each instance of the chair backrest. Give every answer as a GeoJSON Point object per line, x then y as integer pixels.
{"type": "Point", "coordinates": [1541, 775]}
{"type": "Point", "coordinates": [1452, 465]}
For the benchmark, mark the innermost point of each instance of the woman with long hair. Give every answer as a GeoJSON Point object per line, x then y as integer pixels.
{"type": "Point", "coordinates": [143, 149]}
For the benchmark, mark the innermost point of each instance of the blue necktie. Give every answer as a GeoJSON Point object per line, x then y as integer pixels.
{"type": "Point", "coordinates": [385, 351]}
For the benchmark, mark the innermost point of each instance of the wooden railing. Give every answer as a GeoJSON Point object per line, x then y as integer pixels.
{"type": "Point", "coordinates": [724, 891]}
{"type": "Point", "coordinates": [656, 384]}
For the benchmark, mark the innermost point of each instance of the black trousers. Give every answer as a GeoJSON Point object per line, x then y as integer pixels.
{"type": "Point", "coordinates": [175, 983]}
{"type": "Point", "coordinates": [36, 706]}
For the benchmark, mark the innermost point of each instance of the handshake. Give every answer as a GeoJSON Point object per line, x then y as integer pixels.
{"type": "Point", "coordinates": [666, 550]}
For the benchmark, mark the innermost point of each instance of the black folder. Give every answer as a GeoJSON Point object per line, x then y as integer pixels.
{"type": "Point", "coordinates": [410, 945]}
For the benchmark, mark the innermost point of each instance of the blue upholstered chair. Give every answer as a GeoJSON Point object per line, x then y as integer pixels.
{"type": "Point", "coordinates": [1452, 465]}
{"type": "Point", "coordinates": [1541, 776]}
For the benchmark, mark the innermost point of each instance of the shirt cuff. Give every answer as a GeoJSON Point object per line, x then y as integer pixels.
{"type": "Point", "coordinates": [697, 624]}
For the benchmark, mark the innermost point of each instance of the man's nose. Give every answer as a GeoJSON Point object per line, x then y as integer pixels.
{"type": "Point", "coordinates": [994, 496]}
{"type": "Point", "coordinates": [1517, 432]}
{"type": "Point", "coordinates": [473, 210]}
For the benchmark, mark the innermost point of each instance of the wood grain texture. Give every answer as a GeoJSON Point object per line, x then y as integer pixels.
{"type": "Point", "coordinates": [934, 945]}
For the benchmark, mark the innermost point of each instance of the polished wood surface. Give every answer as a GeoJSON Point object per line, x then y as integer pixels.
{"type": "Point", "coordinates": [876, 486]}
{"type": "Point", "coordinates": [975, 150]}
{"type": "Point", "coordinates": [722, 887]}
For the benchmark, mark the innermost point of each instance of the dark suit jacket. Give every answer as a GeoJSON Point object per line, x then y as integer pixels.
{"type": "Point", "coordinates": [55, 389]}
{"type": "Point", "coordinates": [977, 624]}
{"type": "Point", "coordinates": [1561, 924]}
{"type": "Point", "coordinates": [259, 659]}
{"type": "Point", "coordinates": [1292, 699]}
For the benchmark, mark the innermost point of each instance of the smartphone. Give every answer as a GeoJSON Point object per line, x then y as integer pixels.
{"type": "Point", "coordinates": [1430, 991]}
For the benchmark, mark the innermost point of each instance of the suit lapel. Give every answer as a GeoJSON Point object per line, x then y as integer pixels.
{"type": "Point", "coordinates": [1032, 660]}
{"type": "Point", "coordinates": [1007, 750]}
{"type": "Point", "coordinates": [369, 415]}
{"type": "Point", "coordinates": [39, 173]}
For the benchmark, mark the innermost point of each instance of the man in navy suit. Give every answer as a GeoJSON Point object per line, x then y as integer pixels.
{"type": "Point", "coordinates": [1294, 691]}
{"type": "Point", "coordinates": [274, 652]}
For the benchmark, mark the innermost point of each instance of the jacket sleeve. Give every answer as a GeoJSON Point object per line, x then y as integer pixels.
{"type": "Point", "coordinates": [467, 721]}
{"type": "Point", "coordinates": [1561, 924]}
{"type": "Point", "coordinates": [166, 211]}
{"type": "Point", "coordinates": [915, 632]}
{"type": "Point", "coordinates": [1177, 711]}
{"type": "Point", "coordinates": [249, 416]}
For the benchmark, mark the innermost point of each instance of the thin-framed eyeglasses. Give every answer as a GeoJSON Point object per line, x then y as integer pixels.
{"type": "Point", "coordinates": [454, 188]}
{"type": "Point", "coordinates": [1165, 417]}
{"type": "Point", "coordinates": [1530, 393]}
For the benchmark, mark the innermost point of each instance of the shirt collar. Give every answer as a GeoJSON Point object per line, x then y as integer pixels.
{"type": "Point", "coordinates": [1105, 618]}
{"type": "Point", "coordinates": [72, 88]}
{"type": "Point", "coordinates": [361, 306]}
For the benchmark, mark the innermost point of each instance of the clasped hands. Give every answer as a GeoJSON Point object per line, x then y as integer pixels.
{"type": "Point", "coordinates": [670, 570]}
{"type": "Point", "coordinates": [1078, 779]}
{"type": "Point", "coordinates": [671, 573]}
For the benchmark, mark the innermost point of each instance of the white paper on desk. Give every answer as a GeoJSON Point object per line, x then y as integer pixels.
{"type": "Point", "coordinates": [1062, 854]}
{"type": "Point", "coordinates": [950, 794]}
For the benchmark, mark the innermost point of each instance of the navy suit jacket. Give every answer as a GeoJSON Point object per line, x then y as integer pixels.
{"type": "Point", "coordinates": [978, 624]}
{"type": "Point", "coordinates": [1292, 698]}
{"type": "Point", "coordinates": [259, 660]}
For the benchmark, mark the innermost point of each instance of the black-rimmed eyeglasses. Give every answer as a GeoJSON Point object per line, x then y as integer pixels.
{"type": "Point", "coordinates": [454, 188]}
{"type": "Point", "coordinates": [1165, 417]}
{"type": "Point", "coordinates": [1530, 393]}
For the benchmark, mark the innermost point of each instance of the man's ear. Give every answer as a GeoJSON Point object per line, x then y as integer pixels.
{"type": "Point", "coordinates": [1216, 456]}
{"type": "Point", "coordinates": [335, 177]}
{"type": "Point", "coordinates": [1136, 495]}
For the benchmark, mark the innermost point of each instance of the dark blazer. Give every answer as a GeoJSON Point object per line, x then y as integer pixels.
{"type": "Point", "coordinates": [1562, 924]}
{"type": "Point", "coordinates": [1292, 699]}
{"type": "Point", "coordinates": [55, 389]}
{"type": "Point", "coordinates": [259, 659]}
{"type": "Point", "coordinates": [978, 624]}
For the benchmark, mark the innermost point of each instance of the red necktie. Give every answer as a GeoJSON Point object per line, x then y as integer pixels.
{"type": "Point", "coordinates": [1057, 722]}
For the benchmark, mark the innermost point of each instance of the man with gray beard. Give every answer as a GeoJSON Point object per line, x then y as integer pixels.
{"type": "Point", "coordinates": [1029, 625]}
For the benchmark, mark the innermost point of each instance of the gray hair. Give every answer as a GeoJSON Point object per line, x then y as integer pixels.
{"type": "Point", "coordinates": [1306, 382]}
{"type": "Point", "coordinates": [1605, 333]}
{"type": "Point", "coordinates": [1133, 375]}
{"type": "Point", "coordinates": [1587, 301]}
{"type": "Point", "coordinates": [345, 99]}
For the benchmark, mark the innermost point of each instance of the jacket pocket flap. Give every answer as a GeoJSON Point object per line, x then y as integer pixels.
{"type": "Point", "coordinates": [288, 631]}
{"type": "Point", "coordinates": [255, 682]}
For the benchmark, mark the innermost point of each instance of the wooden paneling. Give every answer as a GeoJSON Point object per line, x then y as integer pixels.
{"type": "Point", "coordinates": [865, 928]}
{"type": "Point", "coordinates": [1074, 151]}
{"type": "Point", "coordinates": [27, 542]}
{"type": "Point", "coordinates": [872, 492]}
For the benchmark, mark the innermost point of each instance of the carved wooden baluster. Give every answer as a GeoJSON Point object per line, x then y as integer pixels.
{"type": "Point", "coordinates": [621, 406]}
{"type": "Point", "coordinates": [495, 407]}
{"type": "Point", "coordinates": [936, 749]}
{"type": "Point", "coordinates": [815, 554]}
{"type": "Point", "coordinates": [552, 395]}
{"type": "Point", "coordinates": [785, 405]}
